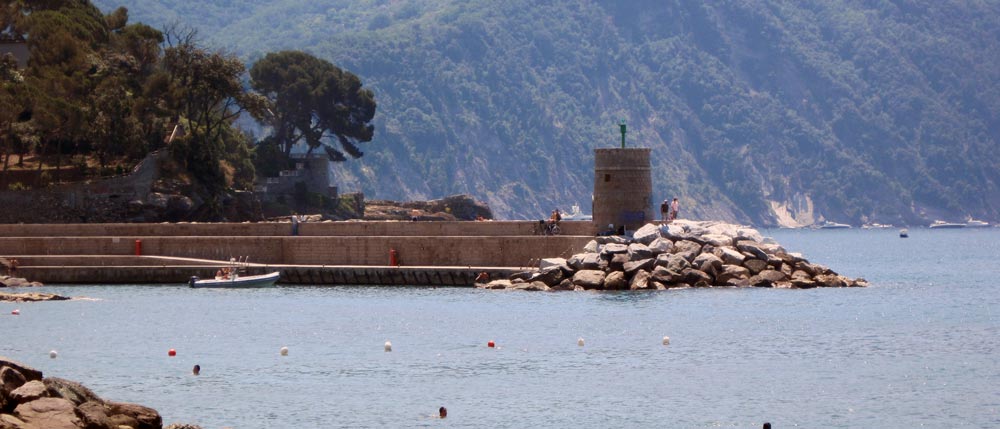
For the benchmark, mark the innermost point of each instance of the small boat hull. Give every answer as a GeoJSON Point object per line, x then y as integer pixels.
{"type": "Point", "coordinates": [946, 225]}
{"type": "Point", "coordinates": [263, 280]}
{"type": "Point", "coordinates": [834, 225]}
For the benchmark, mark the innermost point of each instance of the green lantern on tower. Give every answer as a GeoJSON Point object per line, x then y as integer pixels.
{"type": "Point", "coordinates": [621, 125]}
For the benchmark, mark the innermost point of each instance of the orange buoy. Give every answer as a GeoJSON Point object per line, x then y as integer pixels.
{"type": "Point", "coordinates": [491, 344]}
{"type": "Point", "coordinates": [172, 352]}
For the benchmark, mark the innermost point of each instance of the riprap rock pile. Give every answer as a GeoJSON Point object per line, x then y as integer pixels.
{"type": "Point", "coordinates": [681, 254]}
{"type": "Point", "coordinates": [27, 400]}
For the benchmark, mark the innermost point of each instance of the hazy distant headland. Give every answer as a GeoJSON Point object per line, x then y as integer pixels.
{"type": "Point", "coordinates": [803, 111]}
{"type": "Point", "coordinates": [766, 113]}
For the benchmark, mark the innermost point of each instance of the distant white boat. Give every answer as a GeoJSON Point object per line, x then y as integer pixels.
{"type": "Point", "coordinates": [876, 226]}
{"type": "Point", "coordinates": [972, 223]}
{"type": "Point", "coordinates": [576, 214]}
{"type": "Point", "coordinates": [834, 225]}
{"type": "Point", "coordinates": [903, 233]}
{"type": "Point", "coordinates": [943, 224]}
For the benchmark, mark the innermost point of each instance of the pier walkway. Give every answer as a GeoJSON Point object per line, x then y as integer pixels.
{"type": "Point", "coordinates": [334, 253]}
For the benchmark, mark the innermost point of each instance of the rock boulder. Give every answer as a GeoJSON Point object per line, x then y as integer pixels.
{"type": "Point", "coordinates": [640, 281]}
{"type": "Point", "coordinates": [646, 234]}
{"type": "Point", "coordinates": [48, 413]}
{"type": "Point", "coordinates": [615, 280]}
{"type": "Point", "coordinates": [589, 279]}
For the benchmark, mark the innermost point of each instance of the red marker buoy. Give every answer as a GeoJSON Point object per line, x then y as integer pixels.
{"type": "Point", "coordinates": [491, 344]}
{"type": "Point", "coordinates": [15, 312]}
{"type": "Point", "coordinates": [172, 352]}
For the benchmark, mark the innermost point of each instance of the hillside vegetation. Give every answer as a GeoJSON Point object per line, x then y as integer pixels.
{"type": "Point", "coordinates": [756, 111]}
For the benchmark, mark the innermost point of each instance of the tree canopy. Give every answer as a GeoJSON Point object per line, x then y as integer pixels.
{"type": "Point", "coordinates": [99, 88]}
{"type": "Point", "coordinates": [314, 102]}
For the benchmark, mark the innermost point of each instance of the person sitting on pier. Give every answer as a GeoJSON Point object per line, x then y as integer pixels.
{"type": "Point", "coordinates": [483, 277]}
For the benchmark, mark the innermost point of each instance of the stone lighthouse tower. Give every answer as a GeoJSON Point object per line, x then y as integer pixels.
{"type": "Point", "coordinates": [623, 187]}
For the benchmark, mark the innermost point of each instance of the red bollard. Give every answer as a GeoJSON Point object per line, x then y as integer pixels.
{"type": "Point", "coordinates": [138, 247]}
{"type": "Point", "coordinates": [393, 258]}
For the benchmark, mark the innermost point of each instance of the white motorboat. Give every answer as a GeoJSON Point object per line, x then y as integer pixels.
{"type": "Point", "coordinates": [876, 226]}
{"type": "Point", "coordinates": [230, 277]}
{"type": "Point", "coordinates": [972, 223]}
{"type": "Point", "coordinates": [833, 225]}
{"type": "Point", "coordinates": [576, 214]}
{"type": "Point", "coordinates": [236, 281]}
{"type": "Point", "coordinates": [942, 224]}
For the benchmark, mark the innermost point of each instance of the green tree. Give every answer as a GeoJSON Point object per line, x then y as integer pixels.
{"type": "Point", "coordinates": [315, 102]}
{"type": "Point", "coordinates": [206, 92]}
{"type": "Point", "coordinates": [11, 105]}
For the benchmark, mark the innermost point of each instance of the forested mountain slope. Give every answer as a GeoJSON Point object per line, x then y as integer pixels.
{"type": "Point", "coordinates": [757, 111]}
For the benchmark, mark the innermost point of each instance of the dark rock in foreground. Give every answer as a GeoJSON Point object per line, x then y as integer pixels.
{"type": "Point", "coordinates": [30, 401]}
{"type": "Point", "coordinates": [681, 254]}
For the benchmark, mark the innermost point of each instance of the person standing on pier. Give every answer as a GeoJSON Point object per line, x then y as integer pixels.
{"type": "Point", "coordinates": [295, 223]}
{"type": "Point", "coordinates": [674, 208]}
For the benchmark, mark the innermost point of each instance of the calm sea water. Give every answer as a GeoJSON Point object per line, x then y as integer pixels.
{"type": "Point", "coordinates": [919, 348]}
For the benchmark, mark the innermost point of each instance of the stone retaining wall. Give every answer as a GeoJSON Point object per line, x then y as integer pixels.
{"type": "Point", "coordinates": [348, 228]}
{"type": "Point", "coordinates": [338, 250]}
{"type": "Point", "coordinates": [102, 200]}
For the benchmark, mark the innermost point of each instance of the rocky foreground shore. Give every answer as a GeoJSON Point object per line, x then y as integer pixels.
{"type": "Point", "coordinates": [681, 254]}
{"type": "Point", "coordinates": [28, 400]}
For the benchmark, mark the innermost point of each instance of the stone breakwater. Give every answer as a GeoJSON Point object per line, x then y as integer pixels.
{"type": "Point", "coordinates": [680, 254]}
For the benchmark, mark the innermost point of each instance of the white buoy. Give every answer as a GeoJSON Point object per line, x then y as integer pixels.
{"type": "Point", "coordinates": [284, 351]}
{"type": "Point", "coordinates": [666, 340]}
{"type": "Point", "coordinates": [53, 354]}
{"type": "Point", "coordinates": [388, 346]}
{"type": "Point", "coordinates": [579, 342]}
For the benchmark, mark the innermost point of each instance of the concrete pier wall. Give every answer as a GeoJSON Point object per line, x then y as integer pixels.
{"type": "Point", "coordinates": [274, 229]}
{"type": "Point", "coordinates": [427, 253]}
{"type": "Point", "coordinates": [298, 275]}
{"type": "Point", "coordinates": [361, 250]}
